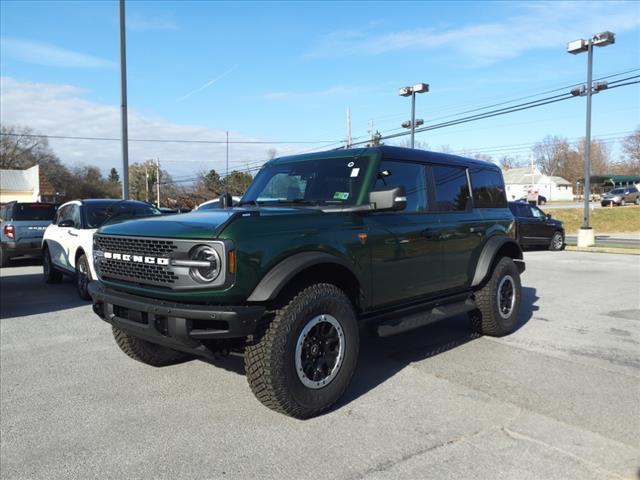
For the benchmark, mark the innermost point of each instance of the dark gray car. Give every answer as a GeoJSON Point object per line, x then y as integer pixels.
{"type": "Point", "coordinates": [21, 228]}
{"type": "Point", "coordinates": [621, 196]}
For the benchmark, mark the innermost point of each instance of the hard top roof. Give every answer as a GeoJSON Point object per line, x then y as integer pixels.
{"type": "Point", "coordinates": [388, 152]}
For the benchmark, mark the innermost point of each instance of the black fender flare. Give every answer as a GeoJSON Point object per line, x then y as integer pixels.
{"type": "Point", "coordinates": [488, 254]}
{"type": "Point", "coordinates": [274, 281]}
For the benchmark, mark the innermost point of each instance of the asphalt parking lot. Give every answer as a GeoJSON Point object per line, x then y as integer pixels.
{"type": "Point", "coordinates": [558, 399]}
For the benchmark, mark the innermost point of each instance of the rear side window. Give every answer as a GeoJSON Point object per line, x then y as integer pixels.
{"type": "Point", "coordinates": [452, 188]}
{"type": "Point", "coordinates": [488, 188]}
{"type": "Point", "coordinates": [411, 176]}
{"type": "Point", "coordinates": [34, 211]}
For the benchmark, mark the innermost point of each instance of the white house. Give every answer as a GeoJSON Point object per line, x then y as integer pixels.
{"type": "Point", "coordinates": [25, 186]}
{"type": "Point", "coordinates": [520, 181]}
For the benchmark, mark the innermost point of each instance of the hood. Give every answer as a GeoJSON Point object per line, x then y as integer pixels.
{"type": "Point", "coordinates": [202, 225]}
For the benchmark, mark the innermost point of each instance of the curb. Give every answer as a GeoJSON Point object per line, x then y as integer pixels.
{"type": "Point", "coordinates": [625, 251]}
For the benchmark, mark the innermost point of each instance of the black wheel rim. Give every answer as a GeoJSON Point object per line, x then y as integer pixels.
{"type": "Point", "coordinates": [506, 296]}
{"type": "Point", "coordinates": [319, 351]}
{"type": "Point", "coordinates": [82, 277]}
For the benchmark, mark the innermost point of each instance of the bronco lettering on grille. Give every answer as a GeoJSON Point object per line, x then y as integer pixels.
{"type": "Point", "coordinates": [136, 258]}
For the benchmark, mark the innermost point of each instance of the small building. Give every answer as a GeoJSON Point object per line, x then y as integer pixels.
{"type": "Point", "coordinates": [25, 186]}
{"type": "Point", "coordinates": [603, 183]}
{"type": "Point", "coordinates": [519, 182]}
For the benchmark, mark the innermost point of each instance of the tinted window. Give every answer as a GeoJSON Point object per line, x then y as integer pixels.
{"type": "Point", "coordinates": [34, 211]}
{"type": "Point", "coordinates": [65, 213]}
{"type": "Point", "coordinates": [411, 176]}
{"type": "Point", "coordinates": [537, 213]}
{"type": "Point", "coordinates": [488, 188]}
{"type": "Point", "coordinates": [452, 188]}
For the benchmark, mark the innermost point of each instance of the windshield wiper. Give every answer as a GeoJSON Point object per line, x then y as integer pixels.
{"type": "Point", "coordinates": [300, 201]}
{"type": "Point", "coordinates": [249, 202]}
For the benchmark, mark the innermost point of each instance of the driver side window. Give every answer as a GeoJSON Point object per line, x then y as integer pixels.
{"type": "Point", "coordinates": [537, 213]}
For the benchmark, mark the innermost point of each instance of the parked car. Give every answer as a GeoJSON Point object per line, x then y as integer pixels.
{"type": "Point", "coordinates": [621, 196]}
{"type": "Point", "coordinates": [534, 228]}
{"type": "Point", "coordinates": [21, 228]}
{"type": "Point", "coordinates": [320, 245]}
{"type": "Point", "coordinates": [67, 244]}
{"type": "Point", "coordinates": [215, 204]}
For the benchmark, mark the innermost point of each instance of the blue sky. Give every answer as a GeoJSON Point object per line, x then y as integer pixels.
{"type": "Point", "coordinates": [288, 71]}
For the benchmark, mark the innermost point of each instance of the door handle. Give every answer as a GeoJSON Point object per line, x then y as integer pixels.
{"type": "Point", "coordinates": [71, 233]}
{"type": "Point", "coordinates": [479, 230]}
{"type": "Point", "coordinates": [430, 234]}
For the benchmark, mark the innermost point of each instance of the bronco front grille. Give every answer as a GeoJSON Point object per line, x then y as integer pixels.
{"type": "Point", "coordinates": [137, 272]}
{"type": "Point", "coordinates": [137, 246]}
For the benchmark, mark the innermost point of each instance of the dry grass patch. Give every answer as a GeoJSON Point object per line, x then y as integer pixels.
{"type": "Point", "coordinates": [603, 220]}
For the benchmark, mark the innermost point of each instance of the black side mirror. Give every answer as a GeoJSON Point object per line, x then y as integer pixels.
{"type": "Point", "coordinates": [67, 224]}
{"type": "Point", "coordinates": [226, 200]}
{"type": "Point", "coordinates": [548, 215]}
{"type": "Point", "coordinates": [389, 199]}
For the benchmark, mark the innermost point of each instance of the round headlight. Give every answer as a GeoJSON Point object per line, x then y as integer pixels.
{"type": "Point", "coordinates": [210, 268]}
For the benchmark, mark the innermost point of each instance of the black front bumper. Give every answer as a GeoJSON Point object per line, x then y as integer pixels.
{"type": "Point", "coordinates": [176, 325]}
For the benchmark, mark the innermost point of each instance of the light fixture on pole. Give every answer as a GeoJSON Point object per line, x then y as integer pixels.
{"type": "Point", "coordinates": [586, 236]}
{"type": "Point", "coordinates": [411, 92]}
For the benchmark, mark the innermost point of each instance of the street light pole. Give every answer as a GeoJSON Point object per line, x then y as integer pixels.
{"type": "Point", "coordinates": [411, 91]}
{"type": "Point", "coordinates": [123, 113]}
{"type": "Point", "coordinates": [586, 236]}
{"type": "Point", "coordinates": [413, 118]}
{"type": "Point", "coordinates": [587, 147]}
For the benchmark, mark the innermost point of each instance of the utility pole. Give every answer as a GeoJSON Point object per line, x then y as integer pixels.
{"type": "Point", "coordinates": [123, 113]}
{"type": "Point", "coordinates": [227, 170]}
{"type": "Point", "coordinates": [348, 127]}
{"type": "Point", "coordinates": [158, 180]}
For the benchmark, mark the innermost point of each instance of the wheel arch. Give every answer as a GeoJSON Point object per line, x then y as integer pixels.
{"type": "Point", "coordinates": [301, 269]}
{"type": "Point", "coordinates": [494, 249]}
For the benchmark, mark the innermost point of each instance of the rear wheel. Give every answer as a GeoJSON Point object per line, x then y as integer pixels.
{"type": "Point", "coordinates": [557, 242]}
{"type": "Point", "coordinates": [83, 277]}
{"type": "Point", "coordinates": [147, 352]}
{"type": "Point", "coordinates": [498, 301]}
{"type": "Point", "coordinates": [303, 360]}
{"type": "Point", "coordinates": [49, 272]}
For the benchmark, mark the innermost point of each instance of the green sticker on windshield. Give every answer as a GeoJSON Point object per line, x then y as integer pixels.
{"type": "Point", "coordinates": [341, 195]}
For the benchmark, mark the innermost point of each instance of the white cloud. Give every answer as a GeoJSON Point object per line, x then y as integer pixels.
{"type": "Point", "coordinates": [541, 25]}
{"type": "Point", "coordinates": [49, 55]}
{"type": "Point", "coordinates": [143, 24]}
{"type": "Point", "coordinates": [60, 110]}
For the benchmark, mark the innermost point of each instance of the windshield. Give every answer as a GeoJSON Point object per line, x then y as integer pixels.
{"type": "Point", "coordinates": [616, 191]}
{"type": "Point", "coordinates": [326, 181]}
{"type": "Point", "coordinates": [34, 211]}
{"type": "Point", "coordinates": [106, 213]}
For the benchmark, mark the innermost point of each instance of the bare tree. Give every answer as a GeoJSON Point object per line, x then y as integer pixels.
{"type": "Point", "coordinates": [272, 153]}
{"type": "Point", "coordinates": [552, 154]}
{"type": "Point", "coordinates": [631, 148]}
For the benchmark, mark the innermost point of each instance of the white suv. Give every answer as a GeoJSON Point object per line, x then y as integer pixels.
{"type": "Point", "coordinates": [67, 245]}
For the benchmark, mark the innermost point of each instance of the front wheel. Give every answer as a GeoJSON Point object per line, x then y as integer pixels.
{"type": "Point", "coordinates": [83, 277]}
{"type": "Point", "coordinates": [302, 361]}
{"type": "Point", "coordinates": [623, 202]}
{"type": "Point", "coordinates": [49, 272]}
{"type": "Point", "coordinates": [498, 301]}
{"type": "Point", "coordinates": [557, 242]}
{"type": "Point", "coordinates": [147, 352]}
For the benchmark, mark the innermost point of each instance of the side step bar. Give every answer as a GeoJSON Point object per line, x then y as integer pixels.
{"type": "Point", "coordinates": [424, 317]}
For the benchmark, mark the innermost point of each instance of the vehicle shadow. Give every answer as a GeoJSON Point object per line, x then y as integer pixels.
{"type": "Point", "coordinates": [382, 358]}
{"type": "Point", "coordinates": [26, 294]}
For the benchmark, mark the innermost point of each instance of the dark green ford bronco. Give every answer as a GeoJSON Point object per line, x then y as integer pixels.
{"type": "Point", "coordinates": [320, 246]}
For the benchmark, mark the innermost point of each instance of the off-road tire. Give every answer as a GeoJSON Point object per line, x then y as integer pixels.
{"type": "Point", "coordinates": [557, 242]}
{"type": "Point", "coordinates": [82, 284]}
{"type": "Point", "coordinates": [4, 259]}
{"type": "Point", "coordinates": [487, 319]}
{"type": "Point", "coordinates": [147, 352]}
{"type": "Point", "coordinates": [49, 272]}
{"type": "Point", "coordinates": [270, 355]}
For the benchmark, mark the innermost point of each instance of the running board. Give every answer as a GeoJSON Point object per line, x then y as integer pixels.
{"type": "Point", "coordinates": [422, 318]}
